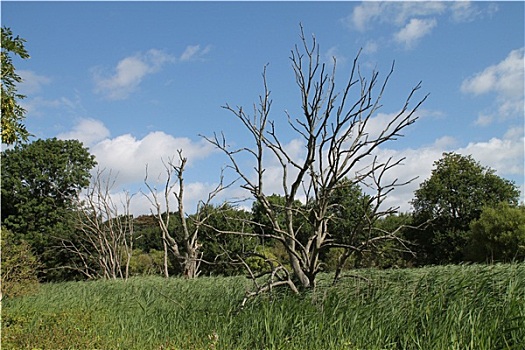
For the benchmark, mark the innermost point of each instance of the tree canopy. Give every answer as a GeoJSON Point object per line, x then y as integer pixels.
{"type": "Point", "coordinates": [13, 130]}
{"type": "Point", "coordinates": [40, 183]}
{"type": "Point", "coordinates": [498, 234]}
{"type": "Point", "coordinates": [454, 195]}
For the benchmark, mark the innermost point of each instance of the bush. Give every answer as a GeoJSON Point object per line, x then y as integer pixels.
{"type": "Point", "coordinates": [498, 235]}
{"type": "Point", "coordinates": [143, 263]}
{"type": "Point", "coordinates": [19, 267]}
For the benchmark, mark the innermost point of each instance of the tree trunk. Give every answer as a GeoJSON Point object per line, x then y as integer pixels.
{"type": "Point", "coordinates": [299, 273]}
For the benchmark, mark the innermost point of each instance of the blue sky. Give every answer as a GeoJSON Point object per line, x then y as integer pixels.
{"type": "Point", "coordinates": [135, 81]}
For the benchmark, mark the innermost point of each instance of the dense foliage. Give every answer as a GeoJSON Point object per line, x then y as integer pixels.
{"type": "Point", "coordinates": [40, 184]}
{"type": "Point", "coordinates": [454, 196]}
{"type": "Point", "coordinates": [13, 130]}
{"type": "Point", "coordinates": [498, 234]}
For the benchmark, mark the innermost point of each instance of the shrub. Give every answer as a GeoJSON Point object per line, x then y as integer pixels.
{"type": "Point", "coordinates": [19, 266]}
{"type": "Point", "coordinates": [143, 263]}
{"type": "Point", "coordinates": [498, 235]}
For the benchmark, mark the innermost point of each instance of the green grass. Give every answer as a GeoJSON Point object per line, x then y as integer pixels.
{"type": "Point", "coordinates": [450, 307]}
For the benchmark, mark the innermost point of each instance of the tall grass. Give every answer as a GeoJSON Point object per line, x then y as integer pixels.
{"type": "Point", "coordinates": [450, 307]}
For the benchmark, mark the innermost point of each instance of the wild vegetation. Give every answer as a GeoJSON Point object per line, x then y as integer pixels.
{"type": "Point", "coordinates": [443, 307]}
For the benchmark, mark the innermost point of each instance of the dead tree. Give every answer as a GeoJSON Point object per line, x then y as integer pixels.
{"type": "Point", "coordinates": [185, 245]}
{"type": "Point", "coordinates": [104, 244]}
{"type": "Point", "coordinates": [339, 143]}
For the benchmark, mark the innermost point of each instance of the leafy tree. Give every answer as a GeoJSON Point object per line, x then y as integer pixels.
{"type": "Point", "coordinates": [394, 253]}
{"type": "Point", "coordinates": [13, 114]}
{"type": "Point", "coordinates": [454, 196]}
{"type": "Point", "coordinates": [350, 211]}
{"type": "Point", "coordinates": [220, 251]}
{"type": "Point", "coordinates": [498, 235]}
{"type": "Point", "coordinates": [150, 263]}
{"type": "Point", "coordinates": [148, 233]}
{"type": "Point", "coordinates": [148, 241]}
{"type": "Point", "coordinates": [40, 184]}
{"type": "Point", "coordinates": [262, 223]}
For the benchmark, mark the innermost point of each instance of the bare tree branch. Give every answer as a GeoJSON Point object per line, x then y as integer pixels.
{"type": "Point", "coordinates": [335, 127]}
{"type": "Point", "coordinates": [106, 231]}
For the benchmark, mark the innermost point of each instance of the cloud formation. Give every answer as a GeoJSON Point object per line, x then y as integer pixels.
{"type": "Point", "coordinates": [129, 73]}
{"type": "Point", "coordinates": [194, 52]}
{"type": "Point", "coordinates": [412, 20]}
{"type": "Point", "coordinates": [416, 29]}
{"type": "Point", "coordinates": [129, 156]}
{"type": "Point", "coordinates": [506, 80]}
{"type": "Point", "coordinates": [32, 82]}
{"type": "Point", "coordinates": [132, 70]}
{"type": "Point", "coordinates": [88, 131]}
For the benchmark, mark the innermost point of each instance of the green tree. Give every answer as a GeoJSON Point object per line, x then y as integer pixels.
{"type": "Point", "coordinates": [366, 237]}
{"type": "Point", "coordinates": [398, 252]}
{"type": "Point", "coordinates": [148, 241]}
{"type": "Point", "coordinates": [498, 235]}
{"type": "Point", "coordinates": [262, 223]}
{"type": "Point", "coordinates": [13, 130]}
{"type": "Point", "coordinates": [40, 183]}
{"type": "Point", "coordinates": [220, 251]}
{"type": "Point", "coordinates": [454, 195]}
{"type": "Point", "coordinates": [348, 209]}
{"type": "Point", "coordinates": [148, 233]}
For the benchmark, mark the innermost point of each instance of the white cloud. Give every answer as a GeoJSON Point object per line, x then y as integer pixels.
{"type": "Point", "coordinates": [506, 80]}
{"type": "Point", "coordinates": [504, 155]}
{"type": "Point", "coordinates": [123, 160]}
{"type": "Point", "coordinates": [414, 31]}
{"type": "Point", "coordinates": [378, 123]}
{"type": "Point", "coordinates": [88, 131]}
{"type": "Point", "coordinates": [194, 193]}
{"type": "Point", "coordinates": [129, 73]}
{"type": "Point", "coordinates": [403, 11]}
{"type": "Point", "coordinates": [445, 143]}
{"type": "Point", "coordinates": [132, 70]}
{"type": "Point", "coordinates": [128, 156]}
{"type": "Point", "coordinates": [484, 120]}
{"type": "Point", "coordinates": [194, 52]}
{"type": "Point", "coordinates": [31, 82]}
{"type": "Point", "coordinates": [467, 11]}
{"type": "Point", "coordinates": [399, 12]}
{"type": "Point", "coordinates": [363, 14]}
{"type": "Point", "coordinates": [413, 19]}
{"type": "Point", "coordinates": [463, 11]}
{"type": "Point", "coordinates": [396, 13]}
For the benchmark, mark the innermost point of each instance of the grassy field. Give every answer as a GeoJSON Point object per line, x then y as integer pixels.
{"type": "Point", "coordinates": [450, 307]}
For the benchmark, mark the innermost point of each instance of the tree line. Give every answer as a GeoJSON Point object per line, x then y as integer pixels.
{"type": "Point", "coordinates": [323, 220]}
